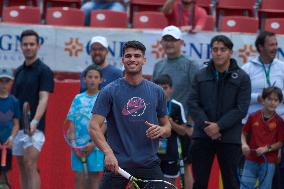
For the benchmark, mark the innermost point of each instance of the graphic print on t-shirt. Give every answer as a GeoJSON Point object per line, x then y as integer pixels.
{"type": "Point", "coordinates": [135, 106]}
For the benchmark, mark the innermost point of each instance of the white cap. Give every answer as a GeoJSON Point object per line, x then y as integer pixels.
{"type": "Point", "coordinates": [172, 31]}
{"type": "Point", "coordinates": [99, 39]}
{"type": "Point", "coordinates": [6, 73]}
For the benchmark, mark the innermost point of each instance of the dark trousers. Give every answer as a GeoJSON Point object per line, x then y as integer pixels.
{"type": "Point", "coordinates": [203, 152]}
{"type": "Point", "coordinates": [281, 178]}
{"type": "Point", "coordinates": [115, 181]}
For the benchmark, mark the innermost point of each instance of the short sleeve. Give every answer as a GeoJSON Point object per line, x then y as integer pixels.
{"type": "Point", "coordinates": [182, 118]}
{"type": "Point", "coordinates": [162, 104]}
{"type": "Point", "coordinates": [46, 80]}
{"type": "Point", "coordinates": [103, 103]}
{"type": "Point", "coordinates": [247, 126]}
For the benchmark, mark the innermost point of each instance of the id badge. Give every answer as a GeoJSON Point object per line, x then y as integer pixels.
{"type": "Point", "coordinates": [163, 144]}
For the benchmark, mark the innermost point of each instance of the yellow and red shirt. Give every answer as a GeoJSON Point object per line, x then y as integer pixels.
{"type": "Point", "coordinates": [262, 133]}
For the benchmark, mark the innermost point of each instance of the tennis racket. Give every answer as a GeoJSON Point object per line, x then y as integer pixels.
{"type": "Point", "coordinates": [145, 184]}
{"type": "Point", "coordinates": [181, 163]}
{"type": "Point", "coordinates": [181, 171]}
{"type": "Point", "coordinates": [26, 118]}
{"type": "Point", "coordinates": [75, 130]}
{"type": "Point", "coordinates": [246, 179]}
{"type": "Point", "coordinates": [5, 183]}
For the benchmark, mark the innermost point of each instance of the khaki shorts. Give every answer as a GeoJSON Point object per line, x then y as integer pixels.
{"type": "Point", "coordinates": [23, 141]}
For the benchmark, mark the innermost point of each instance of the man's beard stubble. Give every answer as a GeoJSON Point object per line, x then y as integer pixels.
{"type": "Point", "coordinates": [98, 60]}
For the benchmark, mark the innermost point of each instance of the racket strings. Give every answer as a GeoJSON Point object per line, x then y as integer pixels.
{"type": "Point", "coordinates": [76, 135]}
{"type": "Point", "coordinates": [159, 185]}
{"type": "Point", "coordinates": [153, 184]}
{"type": "Point", "coordinates": [73, 134]}
{"type": "Point", "coordinates": [255, 178]}
{"type": "Point", "coordinates": [145, 184]}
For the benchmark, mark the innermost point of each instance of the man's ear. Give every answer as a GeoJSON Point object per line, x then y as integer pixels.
{"type": "Point", "coordinates": [231, 51]}
{"type": "Point", "coordinates": [260, 47]}
{"type": "Point", "coordinates": [145, 60]}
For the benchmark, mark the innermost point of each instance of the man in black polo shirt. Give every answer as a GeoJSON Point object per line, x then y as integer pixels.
{"type": "Point", "coordinates": [33, 83]}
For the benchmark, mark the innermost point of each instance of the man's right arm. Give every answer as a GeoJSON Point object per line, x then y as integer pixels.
{"type": "Point", "coordinates": [167, 7]}
{"type": "Point", "coordinates": [97, 134]}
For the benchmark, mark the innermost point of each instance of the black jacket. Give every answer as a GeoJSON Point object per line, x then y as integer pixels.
{"type": "Point", "coordinates": [222, 98]}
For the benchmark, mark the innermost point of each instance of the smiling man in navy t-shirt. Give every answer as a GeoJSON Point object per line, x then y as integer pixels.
{"type": "Point", "coordinates": [136, 114]}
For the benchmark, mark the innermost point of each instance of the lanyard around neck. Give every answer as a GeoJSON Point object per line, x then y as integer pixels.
{"type": "Point", "coordinates": [266, 72]}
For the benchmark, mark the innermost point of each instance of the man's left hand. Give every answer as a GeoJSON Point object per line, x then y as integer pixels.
{"type": "Point", "coordinates": [212, 130]}
{"type": "Point", "coordinates": [154, 131]}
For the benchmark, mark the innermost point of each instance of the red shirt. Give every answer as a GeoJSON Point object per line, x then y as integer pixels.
{"type": "Point", "coordinates": [181, 17]}
{"type": "Point", "coordinates": [264, 133]}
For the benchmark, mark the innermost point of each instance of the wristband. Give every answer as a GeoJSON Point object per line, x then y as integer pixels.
{"type": "Point", "coordinates": [269, 148]}
{"type": "Point", "coordinates": [34, 122]}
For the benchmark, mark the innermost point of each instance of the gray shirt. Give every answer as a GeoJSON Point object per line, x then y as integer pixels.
{"type": "Point", "coordinates": [182, 71]}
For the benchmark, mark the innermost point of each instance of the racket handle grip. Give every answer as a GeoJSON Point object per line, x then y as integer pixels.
{"type": "Point", "coordinates": [124, 173]}
{"type": "Point", "coordinates": [4, 155]}
{"type": "Point", "coordinates": [73, 143]}
{"type": "Point", "coordinates": [85, 169]}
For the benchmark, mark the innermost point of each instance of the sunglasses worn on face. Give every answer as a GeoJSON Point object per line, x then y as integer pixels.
{"type": "Point", "coordinates": [4, 80]}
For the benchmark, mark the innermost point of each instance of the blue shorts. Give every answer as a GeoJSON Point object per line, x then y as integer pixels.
{"type": "Point", "coordinates": [95, 161]}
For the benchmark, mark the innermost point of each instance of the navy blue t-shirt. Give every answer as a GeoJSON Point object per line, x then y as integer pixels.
{"type": "Point", "coordinates": [9, 110]}
{"type": "Point", "coordinates": [126, 108]}
{"type": "Point", "coordinates": [29, 81]}
{"type": "Point", "coordinates": [109, 73]}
